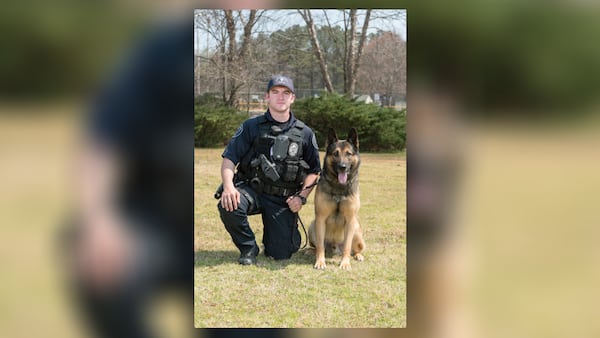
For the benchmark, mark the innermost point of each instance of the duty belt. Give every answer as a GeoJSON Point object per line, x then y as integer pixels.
{"type": "Point", "coordinates": [278, 191]}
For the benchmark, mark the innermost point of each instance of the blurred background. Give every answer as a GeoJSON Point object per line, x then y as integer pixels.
{"type": "Point", "coordinates": [502, 162]}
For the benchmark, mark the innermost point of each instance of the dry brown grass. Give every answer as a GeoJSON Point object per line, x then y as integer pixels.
{"type": "Point", "coordinates": [291, 293]}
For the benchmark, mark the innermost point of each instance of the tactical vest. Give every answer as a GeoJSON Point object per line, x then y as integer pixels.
{"type": "Point", "coordinates": [274, 165]}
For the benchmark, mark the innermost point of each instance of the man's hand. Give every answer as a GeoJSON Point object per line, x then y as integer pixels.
{"type": "Point", "coordinates": [230, 198]}
{"type": "Point", "coordinates": [294, 203]}
{"type": "Point", "coordinates": [105, 248]}
{"type": "Point", "coordinates": [104, 253]}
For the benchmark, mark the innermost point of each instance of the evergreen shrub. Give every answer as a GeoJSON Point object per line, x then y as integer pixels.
{"type": "Point", "coordinates": [215, 123]}
{"type": "Point", "coordinates": [379, 129]}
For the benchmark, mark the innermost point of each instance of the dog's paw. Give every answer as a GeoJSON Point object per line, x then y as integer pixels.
{"type": "Point", "coordinates": [320, 264]}
{"type": "Point", "coordinates": [359, 257]}
{"type": "Point", "coordinates": [345, 264]}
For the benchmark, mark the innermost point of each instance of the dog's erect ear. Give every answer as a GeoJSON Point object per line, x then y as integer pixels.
{"type": "Point", "coordinates": [353, 137]}
{"type": "Point", "coordinates": [331, 137]}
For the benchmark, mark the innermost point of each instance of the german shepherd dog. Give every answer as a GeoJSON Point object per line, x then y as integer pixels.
{"type": "Point", "coordinates": [337, 202]}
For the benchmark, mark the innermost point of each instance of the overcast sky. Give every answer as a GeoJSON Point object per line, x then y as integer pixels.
{"type": "Point", "coordinates": [395, 21]}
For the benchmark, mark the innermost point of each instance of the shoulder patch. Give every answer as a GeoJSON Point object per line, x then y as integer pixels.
{"type": "Point", "coordinates": [239, 131]}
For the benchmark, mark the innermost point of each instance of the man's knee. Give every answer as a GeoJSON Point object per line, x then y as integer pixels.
{"type": "Point", "coordinates": [230, 218]}
{"type": "Point", "coordinates": [240, 211]}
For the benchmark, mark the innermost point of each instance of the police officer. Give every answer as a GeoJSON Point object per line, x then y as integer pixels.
{"type": "Point", "coordinates": [268, 167]}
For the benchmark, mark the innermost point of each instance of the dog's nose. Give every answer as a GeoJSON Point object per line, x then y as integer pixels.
{"type": "Point", "coordinates": [342, 166]}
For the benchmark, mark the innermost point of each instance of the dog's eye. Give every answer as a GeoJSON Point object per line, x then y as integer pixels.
{"type": "Point", "coordinates": [336, 153]}
{"type": "Point", "coordinates": [348, 153]}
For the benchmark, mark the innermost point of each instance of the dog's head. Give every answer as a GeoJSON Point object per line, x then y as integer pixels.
{"type": "Point", "coordinates": [342, 155]}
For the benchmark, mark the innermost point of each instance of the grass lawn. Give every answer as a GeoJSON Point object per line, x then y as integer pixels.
{"type": "Point", "coordinates": [291, 293]}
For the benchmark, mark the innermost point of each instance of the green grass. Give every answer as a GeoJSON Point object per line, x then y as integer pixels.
{"type": "Point", "coordinates": [291, 293]}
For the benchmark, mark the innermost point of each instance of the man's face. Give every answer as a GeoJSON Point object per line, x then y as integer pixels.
{"type": "Point", "coordinates": [279, 99]}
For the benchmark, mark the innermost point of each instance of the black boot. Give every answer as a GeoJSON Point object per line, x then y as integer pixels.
{"type": "Point", "coordinates": [249, 257]}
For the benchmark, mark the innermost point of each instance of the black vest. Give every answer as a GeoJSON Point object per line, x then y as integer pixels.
{"type": "Point", "coordinates": [274, 164]}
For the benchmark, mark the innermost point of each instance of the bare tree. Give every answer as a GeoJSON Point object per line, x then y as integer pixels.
{"type": "Point", "coordinates": [229, 59]}
{"type": "Point", "coordinates": [310, 25]}
{"type": "Point", "coordinates": [352, 47]}
{"type": "Point", "coordinates": [237, 57]}
{"type": "Point", "coordinates": [239, 47]}
{"type": "Point", "coordinates": [210, 27]}
{"type": "Point", "coordinates": [384, 66]}
{"type": "Point", "coordinates": [354, 52]}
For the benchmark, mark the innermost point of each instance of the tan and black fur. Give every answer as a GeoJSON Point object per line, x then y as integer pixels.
{"type": "Point", "coordinates": [337, 202]}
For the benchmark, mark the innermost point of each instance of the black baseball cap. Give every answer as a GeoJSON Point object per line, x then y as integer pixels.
{"type": "Point", "coordinates": [280, 80]}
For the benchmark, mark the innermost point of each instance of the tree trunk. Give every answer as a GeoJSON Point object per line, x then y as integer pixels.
{"type": "Point", "coordinates": [317, 48]}
{"type": "Point", "coordinates": [350, 52]}
{"type": "Point", "coordinates": [223, 70]}
{"type": "Point", "coordinates": [361, 44]}
{"type": "Point", "coordinates": [237, 74]}
{"type": "Point", "coordinates": [354, 52]}
{"type": "Point", "coordinates": [252, 18]}
{"type": "Point", "coordinates": [231, 57]}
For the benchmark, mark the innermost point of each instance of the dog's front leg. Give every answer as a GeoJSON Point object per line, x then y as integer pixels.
{"type": "Point", "coordinates": [350, 229]}
{"type": "Point", "coordinates": [320, 242]}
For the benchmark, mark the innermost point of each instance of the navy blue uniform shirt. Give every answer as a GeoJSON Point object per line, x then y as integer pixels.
{"type": "Point", "coordinates": [241, 142]}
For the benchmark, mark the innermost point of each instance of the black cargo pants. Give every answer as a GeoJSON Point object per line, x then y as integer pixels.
{"type": "Point", "coordinates": [281, 237]}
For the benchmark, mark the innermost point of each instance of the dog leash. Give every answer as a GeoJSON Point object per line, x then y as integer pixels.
{"type": "Point", "coordinates": [309, 186]}
{"type": "Point", "coordinates": [298, 215]}
{"type": "Point", "coordinates": [304, 229]}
